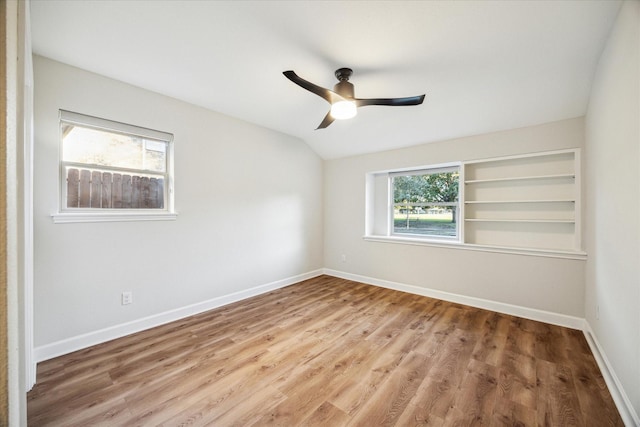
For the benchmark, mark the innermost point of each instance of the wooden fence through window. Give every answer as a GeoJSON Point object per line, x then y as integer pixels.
{"type": "Point", "coordinates": [110, 190]}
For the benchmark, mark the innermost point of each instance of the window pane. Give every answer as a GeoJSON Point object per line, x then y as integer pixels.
{"type": "Point", "coordinates": [426, 204]}
{"type": "Point", "coordinates": [103, 148]}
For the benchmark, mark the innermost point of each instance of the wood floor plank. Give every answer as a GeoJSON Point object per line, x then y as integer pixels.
{"type": "Point", "coordinates": [417, 416]}
{"type": "Point", "coordinates": [326, 415]}
{"type": "Point", "coordinates": [551, 345]}
{"type": "Point", "coordinates": [490, 349]}
{"type": "Point", "coordinates": [475, 402]}
{"type": "Point", "coordinates": [76, 397]}
{"type": "Point", "coordinates": [437, 392]}
{"type": "Point", "coordinates": [371, 372]}
{"type": "Point", "coordinates": [108, 413]}
{"type": "Point", "coordinates": [557, 403]}
{"type": "Point", "coordinates": [247, 411]}
{"type": "Point", "coordinates": [517, 379]}
{"type": "Point", "coordinates": [521, 341]}
{"type": "Point", "coordinates": [328, 351]}
{"type": "Point", "coordinates": [307, 387]}
{"type": "Point", "coordinates": [393, 395]}
{"type": "Point", "coordinates": [591, 391]}
{"type": "Point", "coordinates": [507, 413]}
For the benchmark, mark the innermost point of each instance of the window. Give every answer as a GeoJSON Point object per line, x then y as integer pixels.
{"type": "Point", "coordinates": [108, 166]}
{"type": "Point", "coordinates": [425, 203]}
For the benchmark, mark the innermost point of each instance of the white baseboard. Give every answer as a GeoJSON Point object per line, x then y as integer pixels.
{"type": "Point", "coordinates": [49, 351]}
{"type": "Point", "coordinates": [514, 310]}
{"type": "Point", "coordinates": [627, 412]}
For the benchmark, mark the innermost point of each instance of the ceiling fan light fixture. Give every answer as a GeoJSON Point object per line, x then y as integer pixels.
{"type": "Point", "coordinates": [343, 110]}
{"type": "Point", "coordinates": [342, 99]}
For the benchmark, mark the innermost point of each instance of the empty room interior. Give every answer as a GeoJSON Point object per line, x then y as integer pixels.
{"type": "Point", "coordinates": [321, 213]}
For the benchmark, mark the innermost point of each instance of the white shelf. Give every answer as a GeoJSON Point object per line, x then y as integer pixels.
{"type": "Point", "coordinates": [521, 178]}
{"type": "Point", "coordinates": [470, 202]}
{"type": "Point", "coordinates": [548, 221]}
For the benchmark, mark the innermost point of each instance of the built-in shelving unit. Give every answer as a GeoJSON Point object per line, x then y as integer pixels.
{"type": "Point", "coordinates": [529, 201]}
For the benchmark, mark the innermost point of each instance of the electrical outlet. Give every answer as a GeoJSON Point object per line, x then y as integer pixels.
{"type": "Point", "coordinates": [127, 297]}
{"type": "Point", "coordinates": [343, 258]}
{"type": "Point", "coordinates": [597, 311]}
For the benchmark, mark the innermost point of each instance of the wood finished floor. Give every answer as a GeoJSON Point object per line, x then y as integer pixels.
{"type": "Point", "coordinates": [331, 352]}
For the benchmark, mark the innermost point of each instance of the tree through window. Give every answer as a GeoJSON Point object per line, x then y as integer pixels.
{"type": "Point", "coordinates": [425, 202]}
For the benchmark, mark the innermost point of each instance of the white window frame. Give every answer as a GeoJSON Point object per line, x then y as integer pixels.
{"type": "Point", "coordinates": [428, 170]}
{"type": "Point", "coordinates": [67, 215]}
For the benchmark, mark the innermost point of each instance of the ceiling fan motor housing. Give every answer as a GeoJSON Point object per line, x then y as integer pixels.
{"type": "Point", "coordinates": [343, 87]}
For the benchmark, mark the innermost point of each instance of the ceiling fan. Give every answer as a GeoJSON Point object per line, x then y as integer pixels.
{"type": "Point", "coordinates": [343, 102]}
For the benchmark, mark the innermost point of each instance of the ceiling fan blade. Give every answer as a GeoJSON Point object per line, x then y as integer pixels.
{"type": "Point", "coordinates": [326, 94]}
{"type": "Point", "coordinates": [410, 100]}
{"type": "Point", "coordinates": [328, 119]}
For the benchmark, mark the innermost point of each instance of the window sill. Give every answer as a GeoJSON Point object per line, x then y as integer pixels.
{"type": "Point", "coordinates": [549, 253]}
{"type": "Point", "coordinates": [74, 217]}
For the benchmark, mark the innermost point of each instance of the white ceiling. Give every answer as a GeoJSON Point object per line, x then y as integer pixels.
{"type": "Point", "coordinates": [484, 65]}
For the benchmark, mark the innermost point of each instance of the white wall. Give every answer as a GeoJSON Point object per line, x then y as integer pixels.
{"type": "Point", "coordinates": [613, 202]}
{"type": "Point", "coordinates": [249, 202]}
{"type": "Point", "coordinates": [553, 285]}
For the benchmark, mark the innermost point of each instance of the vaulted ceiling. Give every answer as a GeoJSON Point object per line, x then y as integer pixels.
{"type": "Point", "coordinates": [484, 65]}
